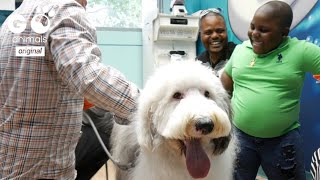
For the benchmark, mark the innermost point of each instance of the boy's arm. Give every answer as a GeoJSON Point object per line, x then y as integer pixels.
{"type": "Point", "coordinates": [227, 82]}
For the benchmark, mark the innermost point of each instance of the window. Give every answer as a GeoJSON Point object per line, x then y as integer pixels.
{"type": "Point", "coordinates": [115, 13]}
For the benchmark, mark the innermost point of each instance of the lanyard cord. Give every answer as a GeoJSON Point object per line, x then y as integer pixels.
{"type": "Point", "coordinates": [124, 167]}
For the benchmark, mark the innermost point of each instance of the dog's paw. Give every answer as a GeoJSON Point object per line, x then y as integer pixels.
{"type": "Point", "coordinates": [220, 144]}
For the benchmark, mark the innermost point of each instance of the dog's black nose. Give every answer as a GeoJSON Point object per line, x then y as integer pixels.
{"type": "Point", "coordinates": [205, 127]}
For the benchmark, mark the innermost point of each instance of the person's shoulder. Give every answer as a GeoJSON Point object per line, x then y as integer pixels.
{"type": "Point", "coordinates": [55, 9]}
{"type": "Point", "coordinates": [61, 7]}
{"type": "Point", "coordinates": [242, 48]}
{"type": "Point", "coordinates": [72, 6]}
{"type": "Point", "coordinates": [203, 57]}
{"type": "Point", "coordinates": [47, 3]}
{"type": "Point", "coordinates": [67, 12]}
{"type": "Point", "coordinates": [301, 44]}
{"type": "Point", "coordinates": [245, 45]}
{"type": "Point", "coordinates": [230, 48]}
{"type": "Point", "coordinates": [232, 45]}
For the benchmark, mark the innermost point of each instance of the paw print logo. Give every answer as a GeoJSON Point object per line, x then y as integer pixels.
{"type": "Point", "coordinates": [40, 23]}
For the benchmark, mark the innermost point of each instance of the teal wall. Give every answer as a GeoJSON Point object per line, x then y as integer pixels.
{"type": "Point", "coordinates": [122, 49]}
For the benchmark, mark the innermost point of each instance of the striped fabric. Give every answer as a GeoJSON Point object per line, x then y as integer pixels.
{"type": "Point", "coordinates": [315, 165]}
{"type": "Point", "coordinates": [41, 97]}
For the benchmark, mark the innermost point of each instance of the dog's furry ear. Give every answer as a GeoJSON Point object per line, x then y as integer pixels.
{"type": "Point", "coordinates": [145, 130]}
{"type": "Point", "coordinates": [227, 106]}
{"type": "Point", "coordinates": [224, 102]}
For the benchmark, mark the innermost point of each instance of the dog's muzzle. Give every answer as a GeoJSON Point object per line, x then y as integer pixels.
{"type": "Point", "coordinates": [204, 125]}
{"type": "Point", "coordinates": [196, 117]}
{"type": "Point", "coordinates": [196, 120]}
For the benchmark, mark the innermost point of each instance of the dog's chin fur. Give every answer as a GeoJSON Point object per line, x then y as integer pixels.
{"type": "Point", "coordinates": [181, 102]}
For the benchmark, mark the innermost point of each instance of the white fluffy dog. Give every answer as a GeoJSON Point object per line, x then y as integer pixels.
{"type": "Point", "coordinates": [181, 130]}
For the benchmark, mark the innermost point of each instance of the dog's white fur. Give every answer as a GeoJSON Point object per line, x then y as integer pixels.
{"type": "Point", "coordinates": [175, 98]}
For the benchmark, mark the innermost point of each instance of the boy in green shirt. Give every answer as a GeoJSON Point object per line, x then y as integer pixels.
{"type": "Point", "coordinates": [265, 76]}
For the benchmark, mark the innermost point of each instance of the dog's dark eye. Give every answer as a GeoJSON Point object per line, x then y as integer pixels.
{"type": "Point", "coordinates": [207, 94]}
{"type": "Point", "coordinates": [178, 95]}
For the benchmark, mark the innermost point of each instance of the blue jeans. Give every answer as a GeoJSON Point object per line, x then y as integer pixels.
{"type": "Point", "coordinates": [281, 158]}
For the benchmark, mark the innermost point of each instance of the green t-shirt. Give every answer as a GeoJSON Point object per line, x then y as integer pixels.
{"type": "Point", "coordinates": [267, 88]}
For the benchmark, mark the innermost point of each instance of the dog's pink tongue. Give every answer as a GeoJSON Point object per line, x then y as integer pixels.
{"type": "Point", "coordinates": [198, 163]}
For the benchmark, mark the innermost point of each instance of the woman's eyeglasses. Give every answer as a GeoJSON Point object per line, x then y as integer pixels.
{"type": "Point", "coordinates": [211, 10]}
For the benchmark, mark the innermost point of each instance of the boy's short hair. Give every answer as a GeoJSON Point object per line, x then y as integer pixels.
{"type": "Point", "coordinates": [282, 11]}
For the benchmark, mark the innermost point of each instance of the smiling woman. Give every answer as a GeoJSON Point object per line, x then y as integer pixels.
{"type": "Point", "coordinates": [114, 13]}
